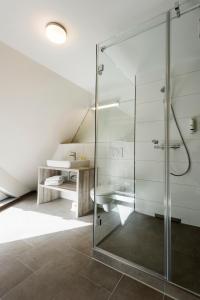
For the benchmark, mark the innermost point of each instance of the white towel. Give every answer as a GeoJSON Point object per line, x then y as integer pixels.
{"type": "Point", "coordinates": [54, 182]}
{"type": "Point", "coordinates": [54, 178]}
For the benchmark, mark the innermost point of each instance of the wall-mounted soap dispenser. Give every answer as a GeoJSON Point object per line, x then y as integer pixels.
{"type": "Point", "coordinates": [192, 125]}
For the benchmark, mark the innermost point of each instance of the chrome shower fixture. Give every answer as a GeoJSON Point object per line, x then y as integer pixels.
{"type": "Point", "coordinates": [177, 9]}
{"type": "Point", "coordinates": [162, 146]}
{"type": "Point", "coordinates": [177, 146]}
{"type": "Point", "coordinates": [162, 89]}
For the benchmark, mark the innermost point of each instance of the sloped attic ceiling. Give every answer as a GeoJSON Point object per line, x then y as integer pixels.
{"type": "Point", "coordinates": [88, 22]}
{"type": "Point", "coordinates": [40, 109]}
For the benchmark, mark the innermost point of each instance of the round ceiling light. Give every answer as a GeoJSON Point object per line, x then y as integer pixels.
{"type": "Point", "coordinates": [56, 33]}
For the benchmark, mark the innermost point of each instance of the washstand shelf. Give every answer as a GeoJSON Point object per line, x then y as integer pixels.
{"type": "Point", "coordinates": [78, 191]}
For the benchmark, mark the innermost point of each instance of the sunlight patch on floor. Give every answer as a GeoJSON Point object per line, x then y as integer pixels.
{"type": "Point", "coordinates": [17, 224]}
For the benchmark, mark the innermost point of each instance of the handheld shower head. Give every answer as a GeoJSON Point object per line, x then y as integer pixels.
{"type": "Point", "coordinates": [162, 90]}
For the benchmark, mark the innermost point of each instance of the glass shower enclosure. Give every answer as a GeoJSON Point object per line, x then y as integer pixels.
{"type": "Point", "coordinates": [147, 147]}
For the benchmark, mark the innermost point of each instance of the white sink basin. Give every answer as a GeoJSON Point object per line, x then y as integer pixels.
{"type": "Point", "coordinates": [68, 164]}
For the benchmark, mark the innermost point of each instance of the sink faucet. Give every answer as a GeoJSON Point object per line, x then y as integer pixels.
{"type": "Point", "coordinates": [73, 154]}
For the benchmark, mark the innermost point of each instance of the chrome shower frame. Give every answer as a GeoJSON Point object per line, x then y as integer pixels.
{"type": "Point", "coordinates": [109, 258]}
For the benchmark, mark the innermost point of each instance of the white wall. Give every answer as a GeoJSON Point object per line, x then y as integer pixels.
{"type": "Point", "coordinates": [116, 126]}
{"type": "Point", "coordinates": [115, 149]}
{"type": "Point", "coordinates": [82, 149]}
{"type": "Point", "coordinates": [11, 186]}
{"type": "Point", "coordinates": [185, 190]}
{"type": "Point", "coordinates": [38, 110]}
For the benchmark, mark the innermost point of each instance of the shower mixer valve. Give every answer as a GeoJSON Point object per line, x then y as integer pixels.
{"type": "Point", "coordinates": [162, 146]}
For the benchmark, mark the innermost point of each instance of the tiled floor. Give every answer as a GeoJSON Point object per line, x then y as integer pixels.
{"type": "Point", "coordinates": [46, 254]}
{"type": "Point", "coordinates": [141, 241]}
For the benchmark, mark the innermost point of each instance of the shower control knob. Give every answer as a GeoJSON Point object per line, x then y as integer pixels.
{"type": "Point", "coordinates": [155, 142]}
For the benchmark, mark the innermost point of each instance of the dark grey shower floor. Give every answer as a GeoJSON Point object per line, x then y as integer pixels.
{"type": "Point", "coordinates": [141, 240]}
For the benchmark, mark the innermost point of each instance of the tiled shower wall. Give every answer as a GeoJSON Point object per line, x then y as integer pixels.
{"type": "Point", "coordinates": [185, 190]}
{"type": "Point", "coordinates": [81, 149]}
{"type": "Point", "coordinates": [116, 147]}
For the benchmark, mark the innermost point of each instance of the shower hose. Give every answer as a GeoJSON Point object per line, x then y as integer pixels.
{"type": "Point", "coordinates": [184, 144]}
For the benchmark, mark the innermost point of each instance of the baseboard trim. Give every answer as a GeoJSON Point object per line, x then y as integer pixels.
{"type": "Point", "coordinates": [10, 201]}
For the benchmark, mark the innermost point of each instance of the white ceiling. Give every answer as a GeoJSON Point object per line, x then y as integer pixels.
{"type": "Point", "coordinates": [88, 22]}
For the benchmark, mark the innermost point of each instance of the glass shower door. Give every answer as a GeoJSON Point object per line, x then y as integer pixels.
{"type": "Point", "coordinates": [149, 215]}
{"type": "Point", "coordinates": [130, 147]}
{"type": "Point", "coordinates": [185, 159]}
{"type": "Point", "coordinates": [114, 153]}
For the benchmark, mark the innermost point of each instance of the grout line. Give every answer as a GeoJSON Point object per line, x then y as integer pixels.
{"type": "Point", "coordinates": [161, 80]}
{"type": "Point", "coordinates": [95, 259]}
{"type": "Point", "coordinates": [176, 98]}
{"type": "Point", "coordinates": [146, 284]}
{"type": "Point", "coordinates": [117, 284]}
{"type": "Point", "coordinates": [25, 265]}
{"type": "Point", "coordinates": [171, 297]}
{"type": "Point", "coordinates": [12, 288]}
{"type": "Point", "coordinates": [149, 180]}
{"type": "Point", "coordinates": [93, 282]}
{"type": "Point", "coordinates": [146, 102]}
{"type": "Point", "coordinates": [110, 159]}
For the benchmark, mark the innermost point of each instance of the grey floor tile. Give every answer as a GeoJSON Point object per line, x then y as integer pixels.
{"type": "Point", "coordinates": [38, 241]}
{"type": "Point", "coordinates": [179, 293]}
{"type": "Point", "coordinates": [101, 274]}
{"type": "Point", "coordinates": [131, 289]}
{"type": "Point", "coordinates": [83, 244]}
{"type": "Point", "coordinates": [65, 239]}
{"type": "Point", "coordinates": [186, 271]}
{"type": "Point", "coordinates": [31, 288]}
{"type": "Point", "coordinates": [80, 288]}
{"type": "Point", "coordinates": [143, 245]}
{"type": "Point", "coordinates": [14, 248]}
{"type": "Point", "coordinates": [186, 239]}
{"type": "Point", "coordinates": [63, 268]}
{"type": "Point", "coordinates": [141, 240]}
{"type": "Point", "coordinates": [12, 272]}
{"type": "Point", "coordinates": [37, 257]}
{"type": "Point", "coordinates": [59, 279]}
{"type": "Point", "coordinates": [71, 262]}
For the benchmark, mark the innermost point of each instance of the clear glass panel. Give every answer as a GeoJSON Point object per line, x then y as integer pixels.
{"type": "Point", "coordinates": [130, 167]}
{"type": "Point", "coordinates": [114, 154]}
{"type": "Point", "coordinates": [185, 179]}
{"type": "Point", "coordinates": [148, 218]}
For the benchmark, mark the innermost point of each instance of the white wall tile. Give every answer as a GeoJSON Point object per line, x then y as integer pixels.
{"type": "Point", "coordinates": [186, 84]}
{"type": "Point", "coordinates": [146, 151]}
{"type": "Point", "coordinates": [185, 129]}
{"type": "Point", "coordinates": [149, 208]}
{"type": "Point", "coordinates": [116, 136]}
{"type": "Point", "coordinates": [116, 168]}
{"type": "Point", "coordinates": [192, 178]}
{"type": "Point", "coordinates": [151, 111]}
{"type": "Point", "coordinates": [152, 191]}
{"type": "Point", "coordinates": [63, 151]}
{"type": "Point", "coordinates": [147, 131]}
{"type": "Point", "coordinates": [179, 155]}
{"type": "Point", "coordinates": [149, 170]}
{"type": "Point", "coordinates": [187, 106]}
{"type": "Point", "coordinates": [187, 216]}
{"type": "Point", "coordinates": [149, 92]}
{"type": "Point", "coordinates": [185, 196]}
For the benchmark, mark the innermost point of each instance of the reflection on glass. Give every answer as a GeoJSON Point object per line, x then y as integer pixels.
{"type": "Point", "coordinates": [185, 188]}
{"type": "Point", "coordinates": [129, 191]}
{"type": "Point", "coordinates": [130, 143]}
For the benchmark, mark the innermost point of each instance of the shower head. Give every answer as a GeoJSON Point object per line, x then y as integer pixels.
{"type": "Point", "coordinates": [162, 89]}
